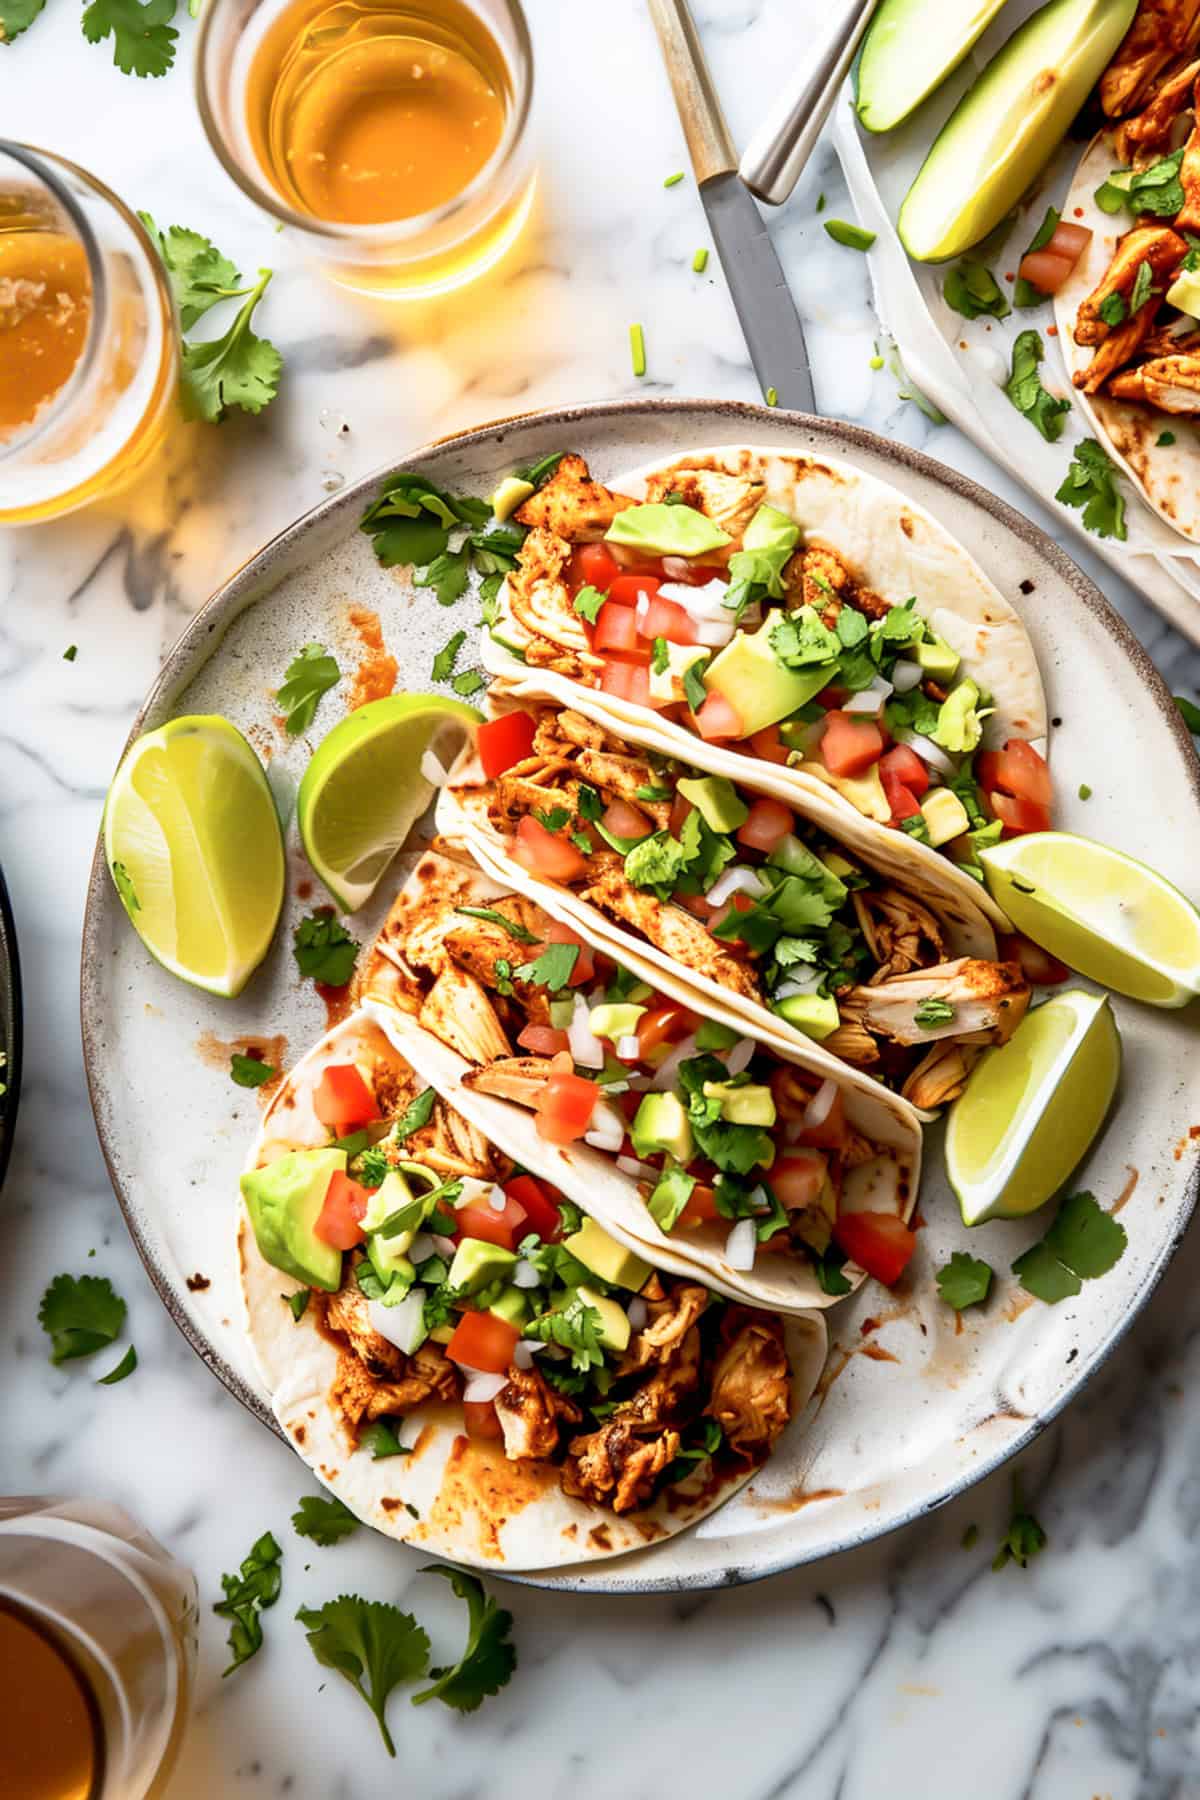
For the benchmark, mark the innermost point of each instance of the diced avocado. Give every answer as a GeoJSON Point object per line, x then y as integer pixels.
{"type": "Point", "coordinates": [712, 1035]}
{"type": "Point", "coordinates": [284, 1201]}
{"type": "Point", "coordinates": [1184, 292]}
{"type": "Point", "coordinates": [864, 792]}
{"type": "Point", "coordinates": [802, 735]}
{"type": "Point", "coordinates": [391, 1266]}
{"type": "Point", "coordinates": [662, 1123]}
{"type": "Point", "coordinates": [562, 1012]}
{"type": "Point", "coordinates": [816, 1015]}
{"type": "Point", "coordinates": [512, 1306]}
{"type": "Point", "coordinates": [1008, 124]}
{"type": "Point", "coordinates": [795, 858]}
{"type": "Point", "coordinates": [477, 1262]}
{"type": "Point", "coordinates": [756, 684]}
{"type": "Point", "coordinates": [945, 816]}
{"type": "Point", "coordinates": [958, 726]}
{"type": "Point", "coordinates": [910, 48]}
{"type": "Point", "coordinates": [716, 800]}
{"type": "Point", "coordinates": [605, 1257]}
{"type": "Point", "coordinates": [667, 684]}
{"type": "Point", "coordinates": [614, 1329]}
{"type": "Point", "coordinates": [750, 1104]}
{"type": "Point", "coordinates": [392, 1193]}
{"type": "Point", "coordinates": [511, 493]}
{"type": "Point", "coordinates": [662, 530]}
{"type": "Point", "coordinates": [441, 1334]}
{"type": "Point", "coordinates": [615, 1019]}
{"type": "Point", "coordinates": [937, 658]}
{"type": "Point", "coordinates": [771, 529]}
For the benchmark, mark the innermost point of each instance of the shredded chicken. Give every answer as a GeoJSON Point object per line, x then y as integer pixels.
{"type": "Point", "coordinates": [347, 1313]}
{"type": "Point", "coordinates": [1162, 31]}
{"type": "Point", "coordinates": [521, 1079]}
{"type": "Point", "coordinates": [1157, 245]}
{"type": "Point", "coordinates": [941, 1075]}
{"type": "Point", "coordinates": [1169, 383]}
{"type": "Point", "coordinates": [730, 501]}
{"type": "Point", "coordinates": [539, 597]}
{"type": "Point", "coordinates": [359, 1397]}
{"type": "Point", "coordinates": [1117, 349]}
{"type": "Point", "coordinates": [669, 927]}
{"type": "Point", "coordinates": [458, 1011]}
{"type": "Point", "coordinates": [1150, 132]}
{"type": "Point", "coordinates": [751, 1397]}
{"type": "Point", "coordinates": [619, 1465]}
{"type": "Point", "coordinates": [853, 1043]}
{"type": "Point", "coordinates": [828, 585]}
{"type": "Point", "coordinates": [451, 1146]}
{"type": "Point", "coordinates": [532, 1415]}
{"type": "Point", "coordinates": [669, 1319]}
{"type": "Point", "coordinates": [623, 775]}
{"type": "Point", "coordinates": [477, 945]}
{"type": "Point", "coordinates": [901, 933]}
{"type": "Point", "coordinates": [984, 997]}
{"type": "Point", "coordinates": [572, 505]}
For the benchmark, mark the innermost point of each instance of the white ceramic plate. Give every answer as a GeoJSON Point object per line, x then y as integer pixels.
{"type": "Point", "coordinates": [914, 1408]}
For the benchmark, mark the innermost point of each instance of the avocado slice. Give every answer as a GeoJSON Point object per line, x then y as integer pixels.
{"type": "Point", "coordinates": [661, 530]}
{"type": "Point", "coordinates": [1184, 292]}
{"type": "Point", "coordinates": [816, 1015]}
{"type": "Point", "coordinates": [756, 684]}
{"type": "Point", "coordinates": [1005, 128]}
{"type": "Point", "coordinates": [910, 48]}
{"type": "Point", "coordinates": [614, 1328]}
{"type": "Point", "coordinates": [615, 1019]}
{"type": "Point", "coordinates": [512, 1306]}
{"type": "Point", "coordinates": [605, 1257]}
{"type": "Point", "coordinates": [716, 800]}
{"type": "Point", "coordinates": [284, 1201]}
{"type": "Point", "coordinates": [945, 816]}
{"type": "Point", "coordinates": [937, 658]}
{"type": "Point", "coordinates": [795, 858]}
{"type": "Point", "coordinates": [750, 1104]}
{"type": "Point", "coordinates": [958, 725]}
{"type": "Point", "coordinates": [476, 1262]}
{"type": "Point", "coordinates": [661, 1123]}
{"type": "Point", "coordinates": [511, 493]}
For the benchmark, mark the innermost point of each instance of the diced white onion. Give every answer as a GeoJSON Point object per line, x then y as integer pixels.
{"type": "Point", "coordinates": [525, 1350]}
{"type": "Point", "coordinates": [629, 1165]}
{"type": "Point", "coordinates": [760, 1199]}
{"type": "Point", "coordinates": [628, 1049]}
{"type": "Point", "coordinates": [421, 1248]}
{"type": "Point", "coordinates": [738, 879]}
{"type": "Point", "coordinates": [870, 700]}
{"type": "Point", "coordinates": [714, 634]}
{"type": "Point", "coordinates": [806, 980]}
{"type": "Point", "coordinates": [820, 1106]}
{"type": "Point", "coordinates": [403, 1324]}
{"type": "Point", "coordinates": [474, 1192]}
{"type": "Point", "coordinates": [524, 1274]}
{"type": "Point", "coordinates": [642, 606]}
{"type": "Point", "coordinates": [906, 676]}
{"type": "Point", "coordinates": [636, 1312]}
{"type": "Point", "coordinates": [432, 768]}
{"type": "Point", "coordinates": [740, 1055]}
{"type": "Point", "coordinates": [607, 1129]}
{"type": "Point", "coordinates": [707, 602]}
{"type": "Point", "coordinates": [497, 1199]}
{"type": "Point", "coordinates": [482, 1386]}
{"type": "Point", "coordinates": [664, 1077]}
{"type": "Point", "coordinates": [613, 1088]}
{"type": "Point", "coordinates": [927, 750]}
{"type": "Point", "coordinates": [741, 1245]}
{"type": "Point", "coordinates": [586, 1048]}
{"type": "Point", "coordinates": [445, 1246]}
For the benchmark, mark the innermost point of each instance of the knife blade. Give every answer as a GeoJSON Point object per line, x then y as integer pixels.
{"type": "Point", "coordinates": [758, 287]}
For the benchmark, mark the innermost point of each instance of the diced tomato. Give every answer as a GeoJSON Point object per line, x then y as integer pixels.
{"type": "Point", "coordinates": [481, 1220]}
{"type": "Point", "coordinates": [627, 590]}
{"type": "Point", "coordinates": [1069, 239]}
{"type": "Point", "coordinates": [1044, 270]}
{"type": "Point", "coordinates": [342, 1100]}
{"type": "Point", "coordinates": [625, 821]}
{"type": "Point", "coordinates": [339, 1221]}
{"type": "Point", "coordinates": [629, 681]}
{"type": "Point", "coordinates": [769, 823]}
{"type": "Point", "coordinates": [1023, 771]}
{"type": "Point", "coordinates": [554, 932]}
{"type": "Point", "coordinates": [901, 799]}
{"type": "Point", "coordinates": [564, 1111]}
{"type": "Point", "coordinates": [850, 744]}
{"type": "Point", "coordinates": [680, 808]}
{"type": "Point", "coordinates": [481, 1418]}
{"type": "Point", "coordinates": [543, 1040]}
{"type": "Point", "coordinates": [767, 745]}
{"type": "Point", "coordinates": [504, 741]}
{"type": "Point", "coordinates": [717, 719]}
{"type": "Point", "coordinates": [593, 565]}
{"type": "Point", "coordinates": [824, 1124]}
{"type": "Point", "coordinates": [880, 1243]}
{"type": "Point", "coordinates": [905, 765]}
{"type": "Point", "coordinates": [701, 1207]}
{"type": "Point", "coordinates": [663, 1025]}
{"type": "Point", "coordinates": [1018, 815]}
{"type": "Point", "coordinates": [1037, 965]}
{"type": "Point", "coordinates": [616, 628]}
{"type": "Point", "coordinates": [482, 1341]}
{"type": "Point", "coordinates": [541, 1211]}
{"type": "Point", "coordinates": [797, 1179]}
{"type": "Point", "coordinates": [542, 853]}
{"type": "Point", "coordinates": [667, 619]}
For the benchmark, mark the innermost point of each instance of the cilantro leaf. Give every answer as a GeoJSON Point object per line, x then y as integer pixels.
{"type": "Point", "coordinates": [1113, 310]}
{"type": "Point", "coordinates": [379, 1438]}
{"type": "Point", "coordinates": [447, 656]}
{"type": "Point", "coordinates": [964, 1281]}
{"type": "Point", "coordinates": [446, 575]}
{"type": "Point", "coordinates": [238, 369]}
{"type": "Point", "coordinates": [574, 1327]}
{"type": "Point", "coordinates": [553, 818]}
{"type": "Point", "coordinates": [487, 1663]}
{"type": "Point", "coordinates": [324, 949]}
{"type": "Point", "coordinates": [1024, 1537]}
{"type": "Point", "coordinates": [1024, 388]}
{"type": "Point", "coordinates": [248, 1071]}
{"type": "Point", "coordinates": [126, 889]}
{"type": "Point", "coordinates": [143, 41]}
{"type": "Point", "coordinates": [298, 1302]}
{"type": "Point", "coordinates": [972, 290]}
{"type": "Point", "coordinates": [1142, 287]}
{"type": "Point", "coordinates": [80, 1315]}
{"type": "Point", "coordinates": [587, 603]}
{"type": "Point", "coordinates": [694, 689]}
{"type": "Point", "coordinates": [828, 1269]}
{"type": "Point", "coordinates": [670, 1196]}
{"type": "Point", "coordinates": [1025, 294]}
{"type": "Point", "coordinates": [933, 1012]}
{"type": "Point", "coordinates": [1090, 483]}
{"type": "Point", "coordinates": [1042, 1274]}
{"type": "Point", "coordinates": [309, 675]}
{"type": "Point", "coordinates": [324, 1519]}
{"type": "Point", "coordinates": [367, 1641]}
{"type": "Point", "coordinates": [468, 683]}
{"type": "Point", "coordinates": [655, 862]}
{"type": "Point", "coordinates": [126, 1366]}
{"type": "Point", "coordinates": [801, 639]}
{"type": "Point", "coordinates": [513, 927]}
{"type": "Point", "coordinates": [1189, 712]}
{"type": "Point", "coordinates": [248, 1594]}
{"type": "Point", "coordinates": [17, 16]}
{"type": "Point", "coordinates": [416, 1114]}
{"type": "Point", "coordinates": [1158, 189]}
{"type": "Point", "coordinates": [1083, 1243]}
{"type": "Point", "coordinates": [199, 274]}
{"type": "Point", "coordinates": [552, 969]}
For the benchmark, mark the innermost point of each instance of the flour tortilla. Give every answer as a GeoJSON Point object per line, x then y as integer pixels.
{"type": "Point", "coordinates": [473, 1505]}
{"type": "Point", "coordinates": [589, 1177]}
{"type": "Point", "coordinates": [1168, 475]}
{"type": "Point", "coordinates": [892, 546]}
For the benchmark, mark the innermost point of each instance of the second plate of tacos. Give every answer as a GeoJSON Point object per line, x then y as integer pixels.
{"type": "Point", "coordinates": [780, 1178]}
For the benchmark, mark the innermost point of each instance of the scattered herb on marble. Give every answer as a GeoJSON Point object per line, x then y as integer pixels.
{"type": "Point", "coordinates": [247, 1595]}
{"type": "Point", "coordinates": [324, 1519]}
{"type": "Point", "coordinates": [200, 276]}
{"type": "Point", "coordinates": [324, 949]}
{"type": "Point", "coordinates": [143, 41]}
{"type": "Point", "coordinates": [487, 1662]}
{"type": "Point", "coordinates": [637, 349]}
{"type": "Point", "coordinates": [126, 1366]}
{"type": "Point", "coordinates": [1090, 483]}
{"type": "Point", "coordinates": [249, 1071]}
{"type": "Point", "coordinates": [447, 656]}
{"type": "Point", "coordinates": [307, 677]}
{"type": "Point", "coordinates": [238, 369]}
{"type": "Point", "coordinates": [372, 1645]}
{"type": "Point", "coordinates": [1024, 1537]}
{"type": "Point", "coordinates": [70, 653]}
{"type": "Point", "coordinates": [851, 237]}
{"type": "Point", "coordinates": [468, 683]}
{"type": "Point", "coordinates": [80, 1314]}
{"type": "Point", "coordinates": [1083, 1243]}
{"type": "Point", "coordinates": [972, 290]}
{"type": "Point", "coordinates": [1024, 388]}
{"type": "Point", "coordinates": [700, 262]}
{"type": "Point", "coordinates": [964, 1281]}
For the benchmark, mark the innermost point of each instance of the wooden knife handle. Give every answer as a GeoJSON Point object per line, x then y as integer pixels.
{"type": "Point", "coordinates": [709, 144]}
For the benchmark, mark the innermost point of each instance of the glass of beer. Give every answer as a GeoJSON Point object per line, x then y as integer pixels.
{"type": "Point", "coordinates": [97, 1653]}
{"type": "Point", "coordinates": [88, 345]}
{"type": "Point", "coordinates": [391, 135]}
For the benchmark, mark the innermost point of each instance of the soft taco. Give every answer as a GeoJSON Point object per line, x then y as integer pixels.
{"type": "Point", "coordinates": [465, 1359]}
{"type": "Point", "coordinates": [789, 611]}
{"type": "Point", "coordinates": [780, 1177]}
{"type": "Point", "coordinates": [790, 912]}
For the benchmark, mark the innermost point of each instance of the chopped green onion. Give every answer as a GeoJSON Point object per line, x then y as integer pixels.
{"type": "Point", "coordinates": [772, 397]}
{"type": "Point", "coordinates": [1085, 792]}
{"type": "Point", "coordinates": [820, 203]}
{"type": "Point", "coordinates": [853, 237]}
{"type": "Point", "coordinates": [72, 650]}
{"type": "Point", "coordinates": [673, 180]}
{"type": "Point", "coordinates": [877, 362]}
{"type": "Point", "coordinates": [1165, 439]}
{"type": "Point", "coordinates": [700, 261]}
{"type": "Point", "coordinates": [637, 347]}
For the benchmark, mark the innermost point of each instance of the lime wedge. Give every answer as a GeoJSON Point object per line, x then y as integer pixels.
{"type": "Point", "coordinates": [193, 843]}
{"type": "Point", "coordinates": [363, 790]}
{"type": "Point", "coordinates": [1101, 912]}
{"type": "Point", "coordinates": [1031, 1107]}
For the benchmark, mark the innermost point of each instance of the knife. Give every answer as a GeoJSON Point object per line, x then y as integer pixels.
{"type": "Point", "coordinates": [761, 296]}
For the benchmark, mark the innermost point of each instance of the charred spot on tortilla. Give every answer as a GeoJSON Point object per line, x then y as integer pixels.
{"type": "Point", "coordinates": [197, 1283]}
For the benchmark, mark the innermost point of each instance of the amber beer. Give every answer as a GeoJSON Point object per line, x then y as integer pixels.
{"type": "Point", "coordinates": [52, 1746]}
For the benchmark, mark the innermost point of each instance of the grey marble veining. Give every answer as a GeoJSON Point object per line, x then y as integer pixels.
{"type": "Point", "coordinates": [907, 1668]}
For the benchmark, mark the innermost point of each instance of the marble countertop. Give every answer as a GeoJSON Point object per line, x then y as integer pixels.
{"type": "Point", "coordinates": [906, 1667]}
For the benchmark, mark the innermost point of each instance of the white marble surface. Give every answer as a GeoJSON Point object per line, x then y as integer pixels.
{"type": "Point", "coordinates": [908, 1667]}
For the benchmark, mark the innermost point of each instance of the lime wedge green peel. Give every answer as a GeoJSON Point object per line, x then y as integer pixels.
{"type": "Point", "coordinates": [1032, 1106]}
{"type": "Point", "coordinates": [193, 843]}
{"type": "Point", "coordinates": [365, 789]}
{"type": "Point", "coordinates": [1098, 910]}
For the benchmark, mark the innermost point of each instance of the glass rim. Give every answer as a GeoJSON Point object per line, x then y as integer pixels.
{"type": "Point", "coordinates": [335, 231]}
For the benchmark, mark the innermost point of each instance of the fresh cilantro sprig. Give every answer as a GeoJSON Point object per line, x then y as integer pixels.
{"type": "Point", "coordinates": [964, 1281]}
{"type": "Point", "coordinates": [80, 1314]}
{"type": "Point", "coordinates": [1024, 1537]}
{"type": "Point", "coordinates": [1024, 388]}
{"type": "Point", "coordinates": [411, 523]}
{"type": "Point", "coordinates": [143, 41]}
{"type": "Point", "coordinates": [308, 676]}
{"type": "Point", "coordinates": [415, 1115]}
{"type": "Point", "coordinates": [238, 369]}
{"type": "Point", "coordinates": [324, 1519]}
{"type": "Point", "coordinates": [250, 1071]}
{"type": "Point", "coordinates": [372, 1645]}
{"type": "Point", "coordinates": [551, 969]}
{"type": "Point", "coordinates": [1090, 483]}
{"type": "Point", "coordinates": [247, 1595]}
{"type": "Point", "coordinates": [488, 1660]}
{"type": "Point", "coordinates": [199, 274]}
{"type": "Point", "coordinates": [324, 949]}
{"type": "Point", "coordinates": [1083, 1243]}
{"type": "Point", "coordinates": [574, 1327]}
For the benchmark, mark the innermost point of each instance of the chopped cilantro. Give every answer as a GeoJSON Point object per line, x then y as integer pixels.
{"type": "Point", "coordinates": [674, 180]}
{"type": "Point", "coordinates": [447, 656]}
{"type": "Point", "coordinates": [309, 675]}
{"type": "Point", "coordinates": [1113, 310]}
{"type": "Point", "coordinates": [1085, 792]}
{"type": "Point", "coordinates": [574, 1327]}
{"type": "Point", "coordinates": [828, 1268]}
{"type": "Point", "coordinates": [248, 1594]}
{"type": "Point", "coordinates": [446, 575]}
{"type": "Point", "coordinates": [1083, 1243]}
{"type": "Point", "coordinates": [1142, 287]}
{"type": "Point", "coordinates": [416, 1114]}
{"type": "Point", "coordinates": [1158, 189]}
{"type": "Point", "coordinates": [1189, 712]}
{"type": "Point", "coordinates": [379, 1438]}
{"type": "Point", "coordinates": [298, 1302]}
{"type": "Point", "coordinates": [324, 1519]}
{"type": "Point", "coordinates": [248, 1071]}
{"type": "Point", "coordinates": [657, 794]}
{"type": "Point", "coordinates": [1090, 483]}
{"type": "Point", "coordinates": [972, 290]}
{"type": "Point", "coordinates": [587, 603]}
{"type": "Point", "coordinates": [699, 261]}
{"type": "Point", "coordinates": [660, 657]}
{"type": "Point", "coordinates": [1164, 440]}
{"type": "Point", "coordinates": [553, 818]}
{"type": "Point", "coordinates": [1024, 1537]}
{"type": "Point", "coordinates": [852, 237]}
{"type": "Point", "coordinates": [694, 689]}
{"type": "Point", "coordinates": [367, 1641]}
{"type": "Point", "coordinates": [80, 1315]}
{"type": "Point", "coordinates": [126, 889]}
{"type": "Point", "coordinates": [1111, 195]}
{"type": "Point", "coordinates": [468, 683]}
{"type": "Point", "coordinates": [552, 969]}
{"type": "Point", "coordinates": [324, 949]}
{"type": "Point", "coordinates": [488, 1659]}
{"type": "Point", "coordinates": [932, 1012]}
{"type": "Point", "coordinates": [514, 928]}
{"type": "Point", "coordinates": [536, 473]}
{"type": "Point", "coordinates": [126, 1366]}
{"type": "Point", "coordinates": [72, 650]}
{"type": "Point", "coordinates": [1024, 388]}
{"type": "Point", "coordinates": [964, 1281]}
